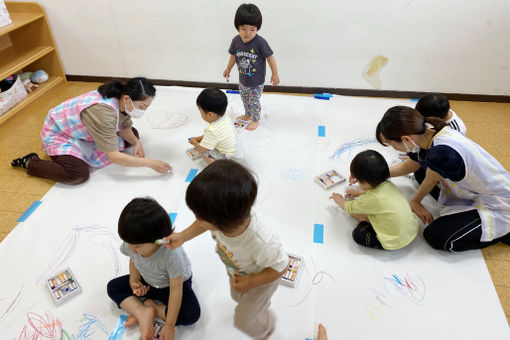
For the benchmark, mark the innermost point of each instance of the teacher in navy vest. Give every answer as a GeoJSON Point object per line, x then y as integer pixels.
{"type": "Point", "coordinates": [474, 201]}
{"type": "Point", "coordinates": [91, 130]}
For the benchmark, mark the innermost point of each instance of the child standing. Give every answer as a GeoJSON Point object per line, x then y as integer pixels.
{"type": "Point", "coordinates": [221, 197]}
{"type": "Point", "coordinates": [385, 218]}
{"type": "Point", "coordinates": [219, 138]}
{"type": "Point", "coordinates": [250, 51]}
{"type": "Point", "coordinates": [155, 272]}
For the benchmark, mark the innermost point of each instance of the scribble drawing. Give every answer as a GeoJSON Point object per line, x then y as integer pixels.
{"type": "Point", "coordinates": [292, 175]}
{"type": "Point", "coordinates": [12, 305]}
{"type": "Point", "coordinates": [348, 146]}
{"type": "Point", "coordinates": [99, 235]}
{"type": "Point", "coordinates": [91, 324]}
{"type": "Point", "coordinates": [396, 286]}
{"type": "Point", "coordinates": [45, 326]}
{"type": "Point", "coordinates": [411, 288]}
{"type": "Point", "coordinates": [320, 276]}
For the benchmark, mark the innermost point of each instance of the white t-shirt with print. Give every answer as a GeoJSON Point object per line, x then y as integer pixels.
{"type": "Point", "coordinates": [251, 252]}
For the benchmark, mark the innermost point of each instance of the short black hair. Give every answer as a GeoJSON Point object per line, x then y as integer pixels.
{"type": "Point", "coordinates": [248, 14]}
{"type": "Point", "coordinates": [433, 105]}
{"type": "Point", "coordinates": [143, 220]}
{"type": "Point", "coordinates": [369, 166]}
{"type": "Point", "coordinates": [139, 88]}
{"type": "Point", "coordinates": [214, 100]}
{"type": "Point", "coordinates": [222, 194]}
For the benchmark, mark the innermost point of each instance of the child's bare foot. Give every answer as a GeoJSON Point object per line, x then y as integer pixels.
{"type": "Point", "coordinates": [130, 321]}
{"type": "Point", "coordinates": [252, 126]}
{"type": "Point", "coordinates": [244, 117]}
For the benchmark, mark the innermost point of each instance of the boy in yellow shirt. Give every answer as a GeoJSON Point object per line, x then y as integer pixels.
{"type": "Point", "coordinates": [385, 218]}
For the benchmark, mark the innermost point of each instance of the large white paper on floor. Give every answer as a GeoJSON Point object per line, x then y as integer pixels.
{"type": "Point", "coordinates": [358, 293]}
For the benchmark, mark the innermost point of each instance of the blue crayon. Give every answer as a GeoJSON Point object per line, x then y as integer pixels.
{"type": "Point", "coordinates": [232, 91]}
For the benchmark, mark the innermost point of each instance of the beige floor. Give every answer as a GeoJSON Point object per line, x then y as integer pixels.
{"type": "Point", "coordinates": [488, 124]}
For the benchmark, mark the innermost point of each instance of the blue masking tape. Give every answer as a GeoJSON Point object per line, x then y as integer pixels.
{"type": "Point", "coordinates": [321, 97]}
{"type": "Point", "coordinates": [191, 174]}
{"type": "Point", "coordinates": [325, 95]}
{"type": "Point", "coordinates": [318, 233]}
{"type": "Point", "coordinates": [322, 131]}
{"type": "Point", "coordinates": [232, 91]}
{"type": "Point", "coordinates": [29, 211]}
{"type": "Point", "coordinates": [413, 100]}
{"type": "Point", "coordinates": [119, 329]}
{"type": "Point", "coordinates": [173, 216]}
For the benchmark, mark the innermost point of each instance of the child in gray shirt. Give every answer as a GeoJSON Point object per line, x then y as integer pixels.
{"type": "Point", "coordinates": [155, 272]}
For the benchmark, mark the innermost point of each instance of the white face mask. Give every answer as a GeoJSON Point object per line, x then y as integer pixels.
{"type": "Point", "coordinates": [136, 113]}
{"type": "Point", "coordinates": [415, 149]}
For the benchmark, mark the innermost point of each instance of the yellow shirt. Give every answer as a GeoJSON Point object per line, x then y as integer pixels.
{"type": "Point", "coordinates": [389, 213]}
{"type": "Point", "coordinates": [220, 136]}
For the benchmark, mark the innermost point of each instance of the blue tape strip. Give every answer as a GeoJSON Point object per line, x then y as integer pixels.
{"type": "Point", "coordinates": [414, 100]}
{"type": "Point", "coordinates": [321, 97]}
{"type": "Point", "coordinates": [173, 216]}
{"type": "Point", "coordinates": [191, 174]}
{"type": "Point", "coordinates": [119, 329]}
{"type": "Point", "coordinates": [325, 95]}
{"type": "Point", "coordinates": [322, 131]}
{"type": "Point", "coordinates": [29, 211]}
{"type": "Point", "coordinates": [308, 339]}
{"type": "Point", "coordinates": [318, 233]}
{"type": "Point", "coordinates": [232, 91]}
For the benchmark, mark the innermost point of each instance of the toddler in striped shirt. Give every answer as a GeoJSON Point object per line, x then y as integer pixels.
{"type": "Point", "coordinates": [219, 138]}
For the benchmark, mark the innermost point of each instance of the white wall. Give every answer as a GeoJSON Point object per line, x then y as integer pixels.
{"type": "Point", "coordinates": [432, 45]}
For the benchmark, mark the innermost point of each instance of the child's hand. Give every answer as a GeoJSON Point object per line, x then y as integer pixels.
{"type": "Point", "coordinates": [226, 74]}
{"type": "Point", "coordinates": [138, 288]}
{"type": "Point", "coordinates": [275, 80]}
{"type": "Point", "coordinates": [167, 332]}
{"type": "Point", "coordinates": [352, 193]}
{"type": "Point", "coordinates": [339, 199]}
{"type": "Point", "coordinates": [176, 240]}
{"type": "Point", "coordinates": [420, 211]}
{"type": "Point", "coordinates": [242, 283]}
{"type": "Point", "coordinates": [193, 141]}
{"type": "Point", "coordinates": [160, 166]}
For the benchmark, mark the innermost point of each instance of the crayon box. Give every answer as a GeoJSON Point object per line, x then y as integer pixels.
{"type": "Point", "coordinates": [193, 154]}
{"type": "Point", "coordinates": [329, 178]}
{"type": "Point", "coordinates": [291, 277]}
{"type": "Point", "coordinates": [63, 285]}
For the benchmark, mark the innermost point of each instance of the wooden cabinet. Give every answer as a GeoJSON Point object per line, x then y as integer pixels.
{"type": "Point", "coordinates": [27, 44]}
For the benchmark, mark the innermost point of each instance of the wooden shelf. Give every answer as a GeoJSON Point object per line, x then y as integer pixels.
{"type": "Point", "coordinates": [17, 61]}
{"type": "Point", "coordinates": [27, 45]}
{"type": "Point", "coordinates": [44, 88]}
{"type": "Point", "coordinates": [19, 20]}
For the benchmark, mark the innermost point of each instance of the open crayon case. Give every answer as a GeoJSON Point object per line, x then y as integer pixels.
{"type": "Point", "coordinates": [241, 123]}
{"type": "Point", "coordinates": [329, 178]}
{"type": "Point", "coordinates": [296, 266]}
{"type": "Point", "coordinates": [193, 154]}
{"type": "Point", "coordinates": [63, 285]}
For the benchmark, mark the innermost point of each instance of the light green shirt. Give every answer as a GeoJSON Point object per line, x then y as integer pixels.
{"type": "Point", "coordinates": [220, 136]}
{"type": "Point", "coordinates": [389, 213]}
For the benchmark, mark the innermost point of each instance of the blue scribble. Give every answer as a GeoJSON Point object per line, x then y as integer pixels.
{"type": "Point", "coordinates": [89, 327]}
{"type": "Point", "coordinates": [347, 147]}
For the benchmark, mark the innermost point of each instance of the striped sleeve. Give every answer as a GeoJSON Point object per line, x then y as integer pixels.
{"type": "Point", "coordinates": [210, 140]}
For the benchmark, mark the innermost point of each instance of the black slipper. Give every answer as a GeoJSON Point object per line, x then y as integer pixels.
{"type": "Point", "coordinates": [23, 161]}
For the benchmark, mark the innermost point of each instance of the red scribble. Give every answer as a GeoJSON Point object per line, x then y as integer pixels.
{"type": "Point", "coordinates": [12, 304]}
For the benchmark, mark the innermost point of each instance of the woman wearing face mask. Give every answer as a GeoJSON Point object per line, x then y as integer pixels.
{"type": "Point", "coordinates": [91, 130]}
{"type": "Point", "coordinates": [474, 200]}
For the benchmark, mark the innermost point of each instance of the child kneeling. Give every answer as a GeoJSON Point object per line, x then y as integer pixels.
{"type": "Point", "coordinates": [155, 272]}
{"type": "Point", "coordinates": [385, 218]}
{"type": "Point", "coordinates": [221, 197]}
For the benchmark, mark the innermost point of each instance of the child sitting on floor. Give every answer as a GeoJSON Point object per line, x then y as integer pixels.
{"type": "Point", "coordinates": [385, 218]}
{"type": "Point", "coordinates": [221, 197]}
{"type": "Point", "coordinates": [219, 139]}
{"type": "Point", "coordinates": [155, 272]}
